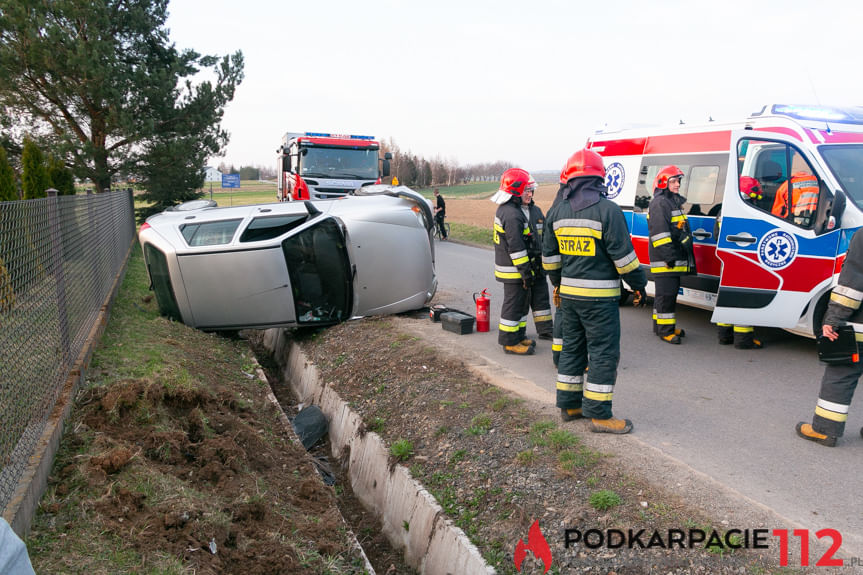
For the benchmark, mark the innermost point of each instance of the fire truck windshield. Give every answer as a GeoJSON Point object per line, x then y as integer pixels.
{"type": "Point", "coordinates": [339, 163]}
{"type": "Point", "coordinates": [846, 163]}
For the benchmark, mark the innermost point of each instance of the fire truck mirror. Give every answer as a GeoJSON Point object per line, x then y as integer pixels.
{"type": "Point", "coordinates": [388, 156]}
{"type": "Point", "coordinates": [385, 168]}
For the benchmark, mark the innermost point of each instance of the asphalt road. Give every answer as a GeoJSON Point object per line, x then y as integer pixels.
{"type": "Point", "coordinates": [727, 413]}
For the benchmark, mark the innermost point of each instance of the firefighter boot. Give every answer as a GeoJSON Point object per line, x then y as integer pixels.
{"type": "Point", "coordinates": [528, 342]}
{"type": "Point", "coordinates": [545, 335]}
{"type": "Point", "coordinates": [679, 332]}
{"type": "Point", "coordinates": [519, 349]}
{"type": "Point", "coordinates": [746, 339]}
{"type": "Point", "coordinates": [613, 425]}
{"type": "Point", "coordinates": [671, 338]}
{"type": "Point", "coordinates": [573, 414]}
{"type": "Point", "coordinates": [805, 431]}
{"type": "Point", "coordinates": [725, 333]}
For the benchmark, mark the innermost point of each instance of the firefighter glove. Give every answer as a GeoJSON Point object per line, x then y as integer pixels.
{"type": "Point", "coordinates": [527, 282]}
{"type": "Point", "coordinates": [681, 224]}
{"type": "Point", "coordinates": [639, 299]}
{"type": "Point", "coordinates": [555, 296]}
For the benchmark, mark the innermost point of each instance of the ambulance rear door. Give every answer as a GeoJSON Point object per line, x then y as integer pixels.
{"type": "Point", "coordinates": [776, 251]}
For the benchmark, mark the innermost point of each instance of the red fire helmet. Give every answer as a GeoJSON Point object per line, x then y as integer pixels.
{"type": "Point", "coordinates": [582, 163]}
{"type": "Point", "coordinates": [665, 174]}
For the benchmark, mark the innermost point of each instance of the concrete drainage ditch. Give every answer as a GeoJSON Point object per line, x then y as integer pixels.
{"type": "Point", "coordinates": [432, 545]}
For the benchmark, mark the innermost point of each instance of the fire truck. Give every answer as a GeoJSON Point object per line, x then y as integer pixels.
{"type": "Point", "coordinates": [761, 259]}
{"type": "Point", "coordinates": [316, 166]}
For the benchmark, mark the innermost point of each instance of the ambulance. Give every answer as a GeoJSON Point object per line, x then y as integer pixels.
{"type": "Point", "coordinates": [765, 257]}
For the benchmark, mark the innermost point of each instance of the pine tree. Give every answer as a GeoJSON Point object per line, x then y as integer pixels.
{"type": "Point", "coordinates": [34, 175]}
{"type": "Point", "coordinates": [8, 190]}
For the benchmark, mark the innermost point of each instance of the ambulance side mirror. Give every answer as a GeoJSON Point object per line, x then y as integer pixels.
{"type": "Point", "coordinates": [837, 210]}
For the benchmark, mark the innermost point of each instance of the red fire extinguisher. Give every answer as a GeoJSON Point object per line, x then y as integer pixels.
{"type": "Point", "coordinates": [483, 303]}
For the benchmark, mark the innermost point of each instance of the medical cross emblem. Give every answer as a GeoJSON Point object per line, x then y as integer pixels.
{"type": "Point", "coordinates": [614, 178]}
{"type": "Point", "coordinates": [777, 249]}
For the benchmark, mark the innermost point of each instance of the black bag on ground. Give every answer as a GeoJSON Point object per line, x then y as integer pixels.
{"type": "Point", "coordinates": [842, 351]}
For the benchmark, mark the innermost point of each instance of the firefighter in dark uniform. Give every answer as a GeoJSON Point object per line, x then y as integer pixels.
{"type": "Point", "coordinates": [512, 239]}
{"type": "Point", "coordinates": [586, 249]}
{"type": "Point", "coordinates": [742, 336]}
{"type": "Point", "coordinates": [839, 381]}
{"type": "Point", "coordinates": [670, 250]}
{"type": "Point", "coordinates": [539, 301]}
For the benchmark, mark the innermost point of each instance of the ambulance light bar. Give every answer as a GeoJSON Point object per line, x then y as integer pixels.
{"type": "Point", "coordinates": [820, 113]}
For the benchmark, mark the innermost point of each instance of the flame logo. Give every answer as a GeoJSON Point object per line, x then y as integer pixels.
{"type": "Point", "coordinates": [537, 544]}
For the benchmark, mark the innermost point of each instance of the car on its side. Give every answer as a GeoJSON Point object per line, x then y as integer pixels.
{"type": "Point", "coordinates": [291, 264]}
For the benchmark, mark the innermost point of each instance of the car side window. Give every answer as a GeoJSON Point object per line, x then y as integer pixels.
{"type": "Point", "coordinates": [270, 227]}
{"type": "Point", "coordinates": [779, 180]}
{"type": "Point", "coordinates": [209, 233]}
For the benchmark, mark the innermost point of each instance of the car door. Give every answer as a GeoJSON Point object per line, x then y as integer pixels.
{"type": "Point", "coordinates": [775, 260]}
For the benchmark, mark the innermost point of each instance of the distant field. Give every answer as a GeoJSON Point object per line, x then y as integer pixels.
{"type": "Point", "coordinates": [475, 189]}
{"type": "Point", "coordinates": [249, 192]}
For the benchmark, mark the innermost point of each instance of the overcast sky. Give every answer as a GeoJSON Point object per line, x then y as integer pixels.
{"type": "Point", "coordinates": [527, 82]}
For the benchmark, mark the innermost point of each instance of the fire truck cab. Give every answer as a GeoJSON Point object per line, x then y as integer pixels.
{"type": "Point", "coordinates": [772, 203]}
{"type": "Point", "coordinates": [317, 166]}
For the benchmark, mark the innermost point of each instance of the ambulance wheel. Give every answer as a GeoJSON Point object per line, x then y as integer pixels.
{"type": "Point", "coordinates": [818, 314]}
{"type": "Point", "coordinates": [625, 297]}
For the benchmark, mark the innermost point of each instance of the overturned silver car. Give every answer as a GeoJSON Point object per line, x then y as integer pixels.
{"type": "Point", "coordinates": [292, 263]}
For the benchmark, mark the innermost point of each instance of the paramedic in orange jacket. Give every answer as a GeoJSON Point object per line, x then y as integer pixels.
{"type": "Point", "coordinates": [804, 194]}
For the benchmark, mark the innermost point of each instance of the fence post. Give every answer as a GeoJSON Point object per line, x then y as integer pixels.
{"type": "Point", "coordinates": [59, 274]}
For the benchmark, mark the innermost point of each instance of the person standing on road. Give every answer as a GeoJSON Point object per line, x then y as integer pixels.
{"type": "Point", "coordinates": [839, 381]}
{"type": "Point", "coordinates": [539, 301]}
{"type": "Point", "coordinates": [586, 249]}
{"type": "Point", "coordinates": [440, 214]}
{"type": "Point", "coordinates": [669, 249]}
{"type": "Point", "coordinates": [511, 262]}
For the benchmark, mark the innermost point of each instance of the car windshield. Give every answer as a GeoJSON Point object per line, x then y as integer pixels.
{"type": "Point", "coordinates": [320, 273]}
{"type": "Point", "coordinates": [342, 163]}
{"type": "Point", "coordinates": [846, 163]}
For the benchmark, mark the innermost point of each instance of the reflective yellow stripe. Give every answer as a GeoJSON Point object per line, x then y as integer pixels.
{"type": "Point", "coordinates": [597, 396]}
{"type": "Point", "coordinates": [844, 301]}
{"type": "Point", "coordinates": [826, 414]}
{"type": "Point", "coordinates": [721, 324]}
{"type": "Point", "coordinates": [661, 242]}
{"type": "Point", "coordinates": [628, 267]}
{"type": "Point", "coordinates": [507, 275]}
{"type": "Point", "coordinates": [552, 266]}
{"type": "Point", "coordinates": [743, 329]}
{"type": "Point", "coordinates": [665, 270]}
{"type": "Point", "coordinates": [590, 292]}
{"type": "Point", "coordinates": [569, 386]}
{"type": "Point", "coordinates": [675, 219]}
{"type": "Point", "coordinates": [671, 321]}
{"type": "Point", "coordinates": [556, 346]}
{"type": "Point", "coordinates": [573, 231]}
{"type": "Point", "coordinates": [518, 261]}
{"type": "Point", "coordinates": [858, 336]}
{"type": "Point", "coordinates": [509, 328]}
{"type": "Point", "coordinates": [541, 318]}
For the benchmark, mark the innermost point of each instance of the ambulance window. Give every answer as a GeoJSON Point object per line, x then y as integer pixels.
{"type": "Point", "coordinates": [701, 185]}
{"type": "Point", "coordinates": [765, 177]}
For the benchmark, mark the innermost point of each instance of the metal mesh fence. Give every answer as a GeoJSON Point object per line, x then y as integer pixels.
{"type": "Point", "coordinates": [58, 260]}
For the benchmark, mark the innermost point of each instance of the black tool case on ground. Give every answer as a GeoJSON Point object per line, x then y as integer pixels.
{"type": "Point", "coordinates": [457, 322]}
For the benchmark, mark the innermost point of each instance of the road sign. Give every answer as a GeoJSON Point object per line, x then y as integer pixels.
{"type": "Point", "coordinates": [230, 180]}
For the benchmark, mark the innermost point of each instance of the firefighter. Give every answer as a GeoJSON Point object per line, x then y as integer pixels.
{"type": "Point", "coordinates": [742, 336]}
{"type": "Point", "coordinates": [512, 240]}
{"type": "Point", "coordinates": [586, 250]}
{"type": "Point", "coordinates": [539, 302]}
{"type": "Point", "coordinates": [669, 249]}
{"type": "Point", "coordinates": [839, 381]}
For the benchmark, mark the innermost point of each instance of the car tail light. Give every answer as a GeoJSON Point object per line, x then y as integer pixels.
{"type": "Point", "coordinates": [144, 226]}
